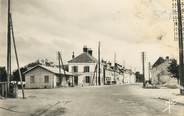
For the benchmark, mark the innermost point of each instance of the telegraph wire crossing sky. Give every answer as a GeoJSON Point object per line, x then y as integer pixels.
{"type": "Point", "coordinates": [123, 27]}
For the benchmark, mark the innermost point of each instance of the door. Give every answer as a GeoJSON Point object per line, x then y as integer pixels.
{"type": "Point", "coordinates": [75, 80]}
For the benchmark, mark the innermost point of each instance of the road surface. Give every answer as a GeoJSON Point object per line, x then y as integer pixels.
{"type": "Point", "coordinates": [122, 100]}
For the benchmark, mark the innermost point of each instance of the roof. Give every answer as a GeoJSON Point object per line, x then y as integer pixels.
{"type": "Point", "coordinates": [83, 58]}
{"type": "Point", "coordinates": [54, 70]}
{"type": "Point", "coordinates": [158, 62]}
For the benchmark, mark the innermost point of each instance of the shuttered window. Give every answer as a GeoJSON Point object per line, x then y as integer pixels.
{"type": "Point", "coordinates": [46, 79]}
{"type": "Point", "coordinates": [32, 79]}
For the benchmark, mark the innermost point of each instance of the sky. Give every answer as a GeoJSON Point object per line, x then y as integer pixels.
{"type": "Point", "coordinates": [124, 27]}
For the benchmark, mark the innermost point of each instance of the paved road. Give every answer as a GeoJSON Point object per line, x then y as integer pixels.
{"type": "Point", "coordinates": [113, 101]}
{"type": "Point", "coordinates": [122, 100]}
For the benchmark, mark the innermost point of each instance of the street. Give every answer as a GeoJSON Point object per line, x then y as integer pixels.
{"type": "Point", "coordinates": [119, 100]}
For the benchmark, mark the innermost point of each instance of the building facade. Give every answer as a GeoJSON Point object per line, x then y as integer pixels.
{"type": "Point", "coordinates": [44, 77]}
{"type": "Point", "coordinates": [116, 74]}
{"type": "Point", "coordinates": [83, 68]}
{"type": "Point", "coordinates": [159, 71]}
{"type": "Point", "coordinates": [129, 77]}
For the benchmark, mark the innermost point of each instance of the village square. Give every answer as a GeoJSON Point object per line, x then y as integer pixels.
{"type": "Point", "coordinates": [61, 58]}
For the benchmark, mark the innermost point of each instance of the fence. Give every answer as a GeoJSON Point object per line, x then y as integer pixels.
{"type": "Point", "coordinates": [4, 89]}
{"type": "Point", "coordinates": [12, 92]}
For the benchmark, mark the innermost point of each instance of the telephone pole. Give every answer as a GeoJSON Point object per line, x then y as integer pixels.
{"type": "Point", "coordinates": [59, 63]}
{"type": "Point", "coordinates": [180, 37]}
{"type": "Point", "coordinates": [8, 48]}
{"type": "Point", "coordinates": [10, 37]}
{"type": "Point", "coordinates": [115, 67]}
{"type": "Point", "coordinates": [99, 79]}
{"type": "Point", "coordinates": [143, 68]}
{"type": "Point", "coordinates": [16, 55]}
{"type": "Point", "coordinates": [149, 70]}
{"type": "Point", "coordinates": [63, 80]}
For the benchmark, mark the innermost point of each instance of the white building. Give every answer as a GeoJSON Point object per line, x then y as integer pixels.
{"type": "Point", "coordinates": [44, 77]}
{"type": "Point", "coordinates": [114, 76]}
{"type": "Point", "coordinates": [129, 77]}
{"type": "Point", "coordinates": [83, 68]}
{"type": "Point", "coordinates": [117, 74]}
{"type": "Point", "coordinates": [109, 74]}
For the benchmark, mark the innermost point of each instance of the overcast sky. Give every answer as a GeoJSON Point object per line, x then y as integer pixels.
{"type": "Point", "coordinates": [126, 27]}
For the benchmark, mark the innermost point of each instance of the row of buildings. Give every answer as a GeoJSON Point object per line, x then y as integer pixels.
{"type": "Point", "coordinates": [81, 71]}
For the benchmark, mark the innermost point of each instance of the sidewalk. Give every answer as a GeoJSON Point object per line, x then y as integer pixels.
{"type": "Point", "coordinates": [162, 93]}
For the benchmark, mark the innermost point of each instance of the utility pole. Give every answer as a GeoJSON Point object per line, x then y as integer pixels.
{"type": "Point", "coordinates": [104, 73]}
{"type": "Point", "coordinates": [180, 37]}
{"type": "Point", "coordinates": [96, 71]}
{"type": "Point", "coordinates": [10, 37]}
{"type": "Point", "coordinates": [63, 80]}
{"type": "Point", "coordinates": [99, 79]}
{"type": "Point", "coordinates": [16, 55]}
{"type": "Point", "coordinates": [149, 70]}
{"type": "Point", "coordinates": [115, 67]}
{"type": "Point", "coordinates": [8, 49]}
{"type": "Point", "coordinates": [59, 62]}
{"type": "Point", "coordinates": [143, 68]}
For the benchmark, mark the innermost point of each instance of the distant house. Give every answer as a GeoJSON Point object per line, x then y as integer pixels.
{"type": "Point", "coordinates": [129, 77]}
{"type": "Point", "coordinates": [117, 74]}
{"type": "Point", "coordinates": [159, 71]}
{"type": "Point", "coordinates": [42, 76]}
{"type": "Point", "coordinates": [83, 67]}
{"type": "Point", "coordinates": [108, 73]}
{"type": "Point", "coordinates": [113, 74]}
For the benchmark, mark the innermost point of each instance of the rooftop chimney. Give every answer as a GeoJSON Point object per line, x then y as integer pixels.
{"type": "Point", "coordinates": [90, 51]}
{"type": "Point", "coordinates": [73, 55]}
{"type": "Point", "coordinates": [85, 49]}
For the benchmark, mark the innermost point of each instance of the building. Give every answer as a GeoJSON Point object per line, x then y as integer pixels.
{"type": "Point", "coordinates": [83, 67]}
{"type": "Point", "coordinates": [42, 76]}
{"type": "Point", "coordinates": [159, 71]}
{"type": "Point", "coordinates": [117, 74]}
{"type": "Point", "coordinates": [113, 74]}
{"type": "Point", "coordinates": [109, 74]}
{"type": "Point", "coordinates": [129, 76]}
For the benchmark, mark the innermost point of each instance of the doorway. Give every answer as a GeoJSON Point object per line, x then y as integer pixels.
{"type": "Point", "coordinates": [75, 80]}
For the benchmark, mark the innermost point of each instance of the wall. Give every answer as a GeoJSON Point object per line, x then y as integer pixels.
{"type": "Point", "coordinates": [160, 71]}
{"type": "Point", "coordinates": [129, 78]}
{"type": "Point", "coordinates": [112, 76]}
{"type": "Point", "coordinates": [39, 74]}
{"type": "Point", "coordinates": [81, 74]}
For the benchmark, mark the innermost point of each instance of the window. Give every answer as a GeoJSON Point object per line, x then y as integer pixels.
{"type": "Point", "coordinates": [74, 69]}
{"type": "Point", "coordinates": [86, 69]}
{"type": "Point", "coordinates": [32, 79]}
{"type": "Point", "coordinates": [87, 79]}
{"type": "Point", "coordinates": [46, 79]}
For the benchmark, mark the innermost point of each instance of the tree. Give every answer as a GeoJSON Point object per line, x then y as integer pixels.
{"type": "Point", "coordinates": [16, 77]}
{"type": "Point", "coordinates": [139, 77]}
{"type": "Point", "coordinates": [173, 68]}
{"type": "Point", "coordinates": [45, 62]}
